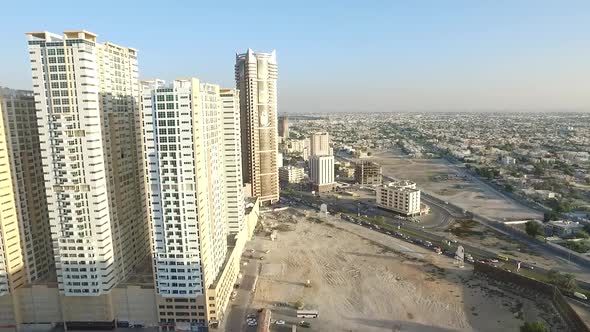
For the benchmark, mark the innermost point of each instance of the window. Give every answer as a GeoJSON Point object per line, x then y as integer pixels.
{"type": "Point", "coordinates": [51, 51]}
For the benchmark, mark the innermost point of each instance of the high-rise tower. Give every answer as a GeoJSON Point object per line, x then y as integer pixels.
{"type": "Point", "coordinates": [320, 144]}
{"type": "Point", "coordinates": [86, 98]}
{"type": "Point", "coordinates": [256, 78]}
{"type": "Point", "coordinates": [284, 127]}
{"type": "Point", "coordinates": [22, 138]}
{"type": "Point", "coordinates": [230, 99]}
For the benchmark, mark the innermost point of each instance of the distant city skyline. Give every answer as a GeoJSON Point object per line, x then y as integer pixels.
{"type": "Point", "coordinates": [378, 56]}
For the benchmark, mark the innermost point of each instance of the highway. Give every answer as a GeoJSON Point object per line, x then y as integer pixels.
{"type": "Point", "coordinates": [420, 233]}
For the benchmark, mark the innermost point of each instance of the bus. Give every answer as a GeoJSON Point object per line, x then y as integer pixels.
{"type": "Point", "coordinates": [503, 258]}
{"type": "Point", "coordinates": [308, 313]}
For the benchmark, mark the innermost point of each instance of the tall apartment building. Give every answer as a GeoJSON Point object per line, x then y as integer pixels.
{"type": "Point", "coordinates": [284, 126]}
{"type": "Point", "coordinates": [184, 158]}
{"type": "Point", "coordinates": [320, 144]}
{"type": "Point", "coordinates": [86, 98]}
{"type": "Point", "coordinates": [368, 173]}
{"type": "Point", "coordinates": [321, 172]}
{"type": "Point", "coordinates": [256, 78]}
{"type": "Point", "coordinates": [22, 138]}
{"type": "Point", "coordinates": [12, 264]}
{"type": "Point", "coordinates": [401, 197]}
{"type": "Point", "coordinates": [230, 99]}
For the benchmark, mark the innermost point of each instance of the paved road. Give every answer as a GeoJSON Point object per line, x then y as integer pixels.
{"type": "Point", "coordinates": [236, 312]}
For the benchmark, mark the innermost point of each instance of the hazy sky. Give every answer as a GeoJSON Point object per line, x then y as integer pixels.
{"type": "Point", "coordinates": [343, 55]}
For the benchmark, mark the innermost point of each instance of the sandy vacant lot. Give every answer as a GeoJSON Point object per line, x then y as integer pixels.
{"type": "Point", "coordinates": [367, 281]}
{"type": "Point", "coordinates": [439, 178]}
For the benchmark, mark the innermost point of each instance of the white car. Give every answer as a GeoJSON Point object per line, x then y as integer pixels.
{"type": "Point", "coordinates": [280, 322]}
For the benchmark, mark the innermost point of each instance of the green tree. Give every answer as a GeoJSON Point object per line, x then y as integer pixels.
{"type": "Point", "coordinates": [578, 246]}
{"type": "Point", "coordinates": [509, 188]}
{"type": "Point", "coordinates": [534, 327]}
{"type": "Point", "coordinates": [539, 170]}
{"type": "Point", "coordinates": [582, 234]}
{"type": "Point", "coordinates": [533, 228]}
{"type": "Point", "coordinates": [564, 281]}
{"type": "Point", "coordinates": [551, 215]}
{"type": "Point", "coordinates": [299, 304]}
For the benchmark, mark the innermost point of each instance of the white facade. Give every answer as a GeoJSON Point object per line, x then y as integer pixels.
{"type": "Point", "coordinates": [291, 174]}
{"type": "Point", "coordinates": [320, 144]}
{"type": "Point", "coordinates": [401, 197]}
{"type": "Point", "coordinates": [184, 157]}
{"type": "Point", "coordinates": [256, 78]}
{"type": "Point", "coordinates": [86, 98]}
{"type": "Point", "coordinates": [230, 99]}
{"type": "Point", "coordinates": [321, 170]}
{"type": "Point", "coordinates": [279, 160]}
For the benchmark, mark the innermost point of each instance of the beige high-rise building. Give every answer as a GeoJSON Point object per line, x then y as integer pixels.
{"type": "Point", "coordinates": [284, 127]}
{"type": "Point", "coordinates": [12, 264]}
{"type": "Point", "coordinates": [320, 144]}
{"type": "Point", "coordinates": [256, 78]}
{"type": "Point", "coordinates": [22, 137]}
{"type": "Point", "coordinates": [86, 97]}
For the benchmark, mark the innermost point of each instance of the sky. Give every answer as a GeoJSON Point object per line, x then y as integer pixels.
{"type": "Point", "coordinates": [343, 56]}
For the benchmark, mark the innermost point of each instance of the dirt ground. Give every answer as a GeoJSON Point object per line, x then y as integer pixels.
{"type": "Point", "coordinates": [366, 281]}
{"type": "Point", "coordinates": [441, 179]}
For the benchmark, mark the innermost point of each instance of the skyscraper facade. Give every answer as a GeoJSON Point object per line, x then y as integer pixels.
{"type": "Point", "coordinates": [256, 78]}
{"type": "Point", "coordinates": [22, 139]}
{"type": "Point", "coordinates": [86, 98]}
{"type": "Point", "coordinates": [283, 126]}
{"type": "Point", "coordinates": [320, 144]}
{"type": "Point", "coordinates": [12, 267]}
{"type": "Point", "coordinates": [230, 99]}
{"type": "Point", "coordinates": [184, 158]}
{"type": "Point", "coordinates": [321, 171]}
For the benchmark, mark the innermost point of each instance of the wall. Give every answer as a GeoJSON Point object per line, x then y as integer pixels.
{"type": "Point", "coordinates": [563, 308]}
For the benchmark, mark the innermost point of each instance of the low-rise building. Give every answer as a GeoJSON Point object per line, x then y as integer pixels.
{"type": "Point", "coordinates": [367, 173]}
{"type": "Point", "coordinates": [401, 197]}
{"type": "Point", "coordinates": [291, 174]}
{"type": "Point", "coordinates": [562, 228]}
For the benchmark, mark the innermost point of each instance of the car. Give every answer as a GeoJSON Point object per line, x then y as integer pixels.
{"type": "Point", "coordinates": [280, 322]}
{"type": "Point", "coordinates": [304, 324]}
{"type": "Point", "coordinates": [250, 316]}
